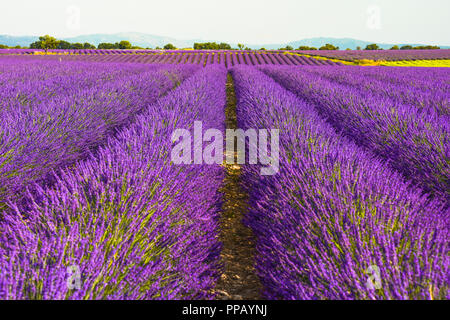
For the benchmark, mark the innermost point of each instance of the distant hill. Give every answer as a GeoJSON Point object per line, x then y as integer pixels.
{"type": "Point", "coordinates": [137, 39]}
{"type": "Point", "coordinates": [344, 43]}
{"type": "Point", "coordinates": [151, 41]}
{"type": "Point", "coordinates": [13, 41]}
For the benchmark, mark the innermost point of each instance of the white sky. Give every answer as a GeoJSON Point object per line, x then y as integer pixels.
{"type": "Point", "coordinates": [247, 21]}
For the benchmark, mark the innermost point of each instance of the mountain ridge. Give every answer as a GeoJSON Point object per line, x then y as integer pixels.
{"type": "Point", "coordinates": [148, 40]}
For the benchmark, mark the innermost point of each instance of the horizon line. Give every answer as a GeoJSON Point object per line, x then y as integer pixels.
{"type": "Point", "coordinates": [218, 41]}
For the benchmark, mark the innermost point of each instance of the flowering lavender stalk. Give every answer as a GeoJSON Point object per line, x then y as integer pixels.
{"type": "Point", "coordinates": [425, 95]}
{"type": "Point", "coordinates": [135, 225]}
{"type": "Point", "coordinates": [335, 215]}
{"type": "Point", "coordinates": [414, 143]}
{"type": "Point", "coordinates": [50, 131]}
{"type": "Point", "coordinates": [389, 55]}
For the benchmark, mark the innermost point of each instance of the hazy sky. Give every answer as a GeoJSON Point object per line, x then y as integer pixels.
{"type": "Point", "coordinates": [247, 21]}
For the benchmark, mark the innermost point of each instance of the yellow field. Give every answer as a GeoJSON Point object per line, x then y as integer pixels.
{"type": "Point", "coordinates": [418, 63]}
{"type": "Point", "coordinates": [401, 63]}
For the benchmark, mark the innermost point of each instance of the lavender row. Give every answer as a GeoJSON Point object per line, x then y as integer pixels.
{"type": "Point", "coordinates": [227, 59]}
{"type": "Point", "coordinates": [133, 224]}
{"type": "Point", "coordinates": [434, 100]}
{"type": "Point", "coordinates": [328, 226]}
{"type": "Point", "coordinates": [388, 55]}
{"type": "Point", "coordinates": [123, 52]}
{"type": "Point", "coordinates": [414, 143]}
{"type": "Point", "coordinates": [27, 82]}
{"type": "Point", "coordinates": [422, 78]}
{"type": "Point", "coordinates": [55, 131]}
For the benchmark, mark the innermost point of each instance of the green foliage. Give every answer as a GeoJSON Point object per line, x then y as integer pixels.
{"type": "Point", "coordinates": [241, 46]}
{"type": "Point", "coordinates": [87, 45]}
{"type": "Point", "coordinates": [224, 46]}
{"type": "Point", "coordinates": [46, 42]}
{"type": "Point", "coordinates": [395, 48]}
{"type": "Point", "coordinates": [286, 48]}
{"type": "Point", "coordinates": [306, 48]}
{"type": "Point", "coordinates": [107, 46]}
{"type": "Point", "coordinates": [76, 46]}
{"type": "Point", "coordinates": [426, 48]}
{"type": "Point", "coordinates": [169, 46]}
{"type": "Point", "coordinates": [328, 46]}
{"type": "Point", "coordinates": [2, 46]}
{"type": "Point", "coordinates": [212, 46]}
{"type": "Point", "coordinates": [64, 45]}
{"type": "Point", "coordinates": [124, 45]}
{"type": "Point", "coordinates": [372, 46]}
{"type": "Point", "coordinates": [408, 47]}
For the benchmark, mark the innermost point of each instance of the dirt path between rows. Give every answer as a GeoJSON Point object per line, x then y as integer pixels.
{"type": "Point", "coordinates": [239, 280]}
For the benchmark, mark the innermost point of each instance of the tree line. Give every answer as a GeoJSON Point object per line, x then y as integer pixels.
{"type": "Point", "coordinates": [47, 42]}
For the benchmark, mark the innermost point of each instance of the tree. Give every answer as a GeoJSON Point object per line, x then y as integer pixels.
{"type": "Point", "coordinates": [395, 48]}
{"type": "Point", "coordinates": [358, 48]}
{"type": "Point", "coordinates": [262, 49]}
{"type": "Point", "coordinates": [169, 46]}
{"type": "Point", "coordinates": [328, 46]}
{"type": "Point", "coordinates": [372, 46]}
{"type": "Point", "coordinates": [105, 45]}
{"type": "Point", "coordinates": [211, 46]}
{"type": "Point", "coordinates": [306, 48]}
{"type": "Point", "coordinates": [240, 46]}
{"type": "Point", "coordinates": [48, 42]}
{"type": "Point", "coordinates": [407, 47]}
{"type": "Point", "coordinates": [286, 48]}
{"type": "Point", "coordinates": [64, 45]}
{"type": "Point", "coordinates": [426, 47]}
{"type": "Point", "coordinates": [35, 45]}
{"type": "Point", "coordinates": [87, 45]}
{"type": "Point", "coordinates": [76, 46]}
{"type": "Point", "coordinates": [124, 45]}
{"type": "Point", "coordinates": [224, 46]}
{"type": "Point", "coordinates": [2, 46]}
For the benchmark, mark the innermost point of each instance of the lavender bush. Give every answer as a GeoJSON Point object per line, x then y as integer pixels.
{"type": "Point", "coordinates": [136, 226]}
{"type": "Point", "coordinates": [55, 120]}
{"type": "Point", "coordinates": [335, 213]}
{"type": "Point", "coordinates": [414, 143]}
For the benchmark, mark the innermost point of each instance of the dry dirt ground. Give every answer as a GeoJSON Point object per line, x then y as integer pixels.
{"type": "Point", "coordinates": [239, 280]}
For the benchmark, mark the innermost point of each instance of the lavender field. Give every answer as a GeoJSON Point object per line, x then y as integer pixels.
{"type": "Point", "coordinates": [204, 58]}
{"type": "Point", "coordinates": [388, 55]}
{"type": "Point", "coordinates": [92, 205]}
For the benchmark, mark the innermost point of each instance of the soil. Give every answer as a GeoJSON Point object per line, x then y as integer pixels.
{"type": "Point", "coordinates": [239, 280]}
